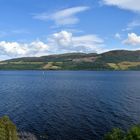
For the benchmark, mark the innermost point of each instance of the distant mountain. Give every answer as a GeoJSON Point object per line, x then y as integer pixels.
{"type": "Point", "coordinates": [112, 60]}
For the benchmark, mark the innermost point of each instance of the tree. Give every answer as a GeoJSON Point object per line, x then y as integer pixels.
{"type": "Point", "coordinates": [115, 134]}
{"type": "Point", "coordinates": [133, 133]}
{"type": "Point", "coordinates": [8, 130]}
{"type": "Point", "coordinates": [118, 134]}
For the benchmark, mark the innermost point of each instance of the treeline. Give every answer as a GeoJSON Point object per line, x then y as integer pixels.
{"type": "Point", "coordinates": [112, 60]}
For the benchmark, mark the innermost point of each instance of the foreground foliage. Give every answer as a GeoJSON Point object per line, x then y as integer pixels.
{"type": "Point", "coordinates": [7, 129]}
{"type": "Point", "coordinates": [118, 134]}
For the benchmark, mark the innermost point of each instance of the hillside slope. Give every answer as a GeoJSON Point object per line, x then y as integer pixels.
{"type": "Point", "coordinates": [112, 60]}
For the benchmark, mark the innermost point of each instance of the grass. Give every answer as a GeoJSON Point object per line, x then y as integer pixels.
{"type": "Point", "coordinates": [51, 66]}
{"type": "Point", "coordinates": [69, 65]}
{"type": "Point", "coordinates": [125, 65]}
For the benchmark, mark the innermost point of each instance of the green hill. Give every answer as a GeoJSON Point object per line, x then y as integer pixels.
{"type": "Point", "coordinates": [112, 60]}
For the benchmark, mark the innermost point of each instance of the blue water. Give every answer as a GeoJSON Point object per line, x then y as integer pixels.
{"type": "Point", "coordinates": [70, 105]}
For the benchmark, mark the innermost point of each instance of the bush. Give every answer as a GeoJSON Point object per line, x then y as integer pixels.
{"type": "Point", "coordinates": [115, 134]}
{"type": "Point", "coordinates": [118, 134]}
{"type": "Point", "coordinates": [7, 129]}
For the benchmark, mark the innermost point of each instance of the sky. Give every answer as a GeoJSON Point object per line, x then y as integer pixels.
{"type": "Point", "coordinates": [45, 27]}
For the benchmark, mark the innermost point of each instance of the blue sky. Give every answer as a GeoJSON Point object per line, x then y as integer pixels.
{"type": "Point", "coordinates": [43, 27]}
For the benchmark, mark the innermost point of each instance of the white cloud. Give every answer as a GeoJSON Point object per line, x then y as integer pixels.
{"type": "Point", "coordinates": [15, 49]}
{"type": "Point", "coordinates": [60, 42]}
{"type": "Point", "coordinates": [133, 5]}
{"type": "Point", "coordinates": [133, 39]}
{"type": "Point", "coordinates": [66, 42]}
{"type": "Point", "coordinates": [117, 36]}
{"type": "Point", "coordinates": [63, 17]}
{"type": "Point", "coordinates": [12, 48]}
{"type": "Point", "coordinates": [133, 24]}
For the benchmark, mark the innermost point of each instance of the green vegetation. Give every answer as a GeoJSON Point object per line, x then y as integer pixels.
{"type": "Point", "coordinates": [118, 134]}
{"type": "Point", "coordinates": [7, 129]}
{"type": "Point", "coordinates": [112, 60]}
{"type": "Point", "coordinates": [125, 65]}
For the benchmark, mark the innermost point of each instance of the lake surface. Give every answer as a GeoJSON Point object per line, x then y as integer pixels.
{"type": "Point", "coordinates": [70, 105]}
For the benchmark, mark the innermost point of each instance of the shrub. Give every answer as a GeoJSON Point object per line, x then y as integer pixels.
{"type": "Point", "coordinates": [118, 134]}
